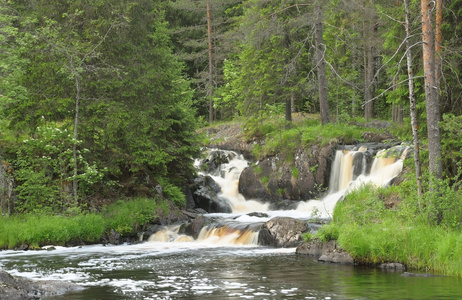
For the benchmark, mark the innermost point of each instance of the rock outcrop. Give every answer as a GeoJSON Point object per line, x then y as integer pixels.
{"type": "Point", "coordinates": [13, 288]}
{"type": "Point", "coordinates": [305, 176]}
{"type": "Point", "coordinates": [325, 252]}
{"type": "Point", "coordinates": [205, 194]}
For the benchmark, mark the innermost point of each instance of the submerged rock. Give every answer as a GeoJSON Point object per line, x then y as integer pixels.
{"type": "Point", "coordinates": [392, 267]}
{"type": "Point", "coordinates": [13, 288]}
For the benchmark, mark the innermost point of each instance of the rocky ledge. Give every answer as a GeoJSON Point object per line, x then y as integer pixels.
{"type": "Point", "coordinates": [15, 288]}
{"type": "Point", "coordinates": [325, 252]}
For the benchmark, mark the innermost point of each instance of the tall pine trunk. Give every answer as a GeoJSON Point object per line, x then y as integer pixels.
{"type": "Point", "coordinates": [209, 36]}
{"type": "Point", "coordinates": [431, 93]}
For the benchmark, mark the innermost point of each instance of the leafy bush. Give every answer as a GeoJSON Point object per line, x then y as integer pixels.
{"type": "Point", "coordinates": [44, 168]}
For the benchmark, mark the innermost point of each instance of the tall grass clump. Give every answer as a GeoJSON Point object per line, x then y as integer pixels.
{"type": "Point", "coordinates": [406, 233]}
{"type": "Point", "coordinates": [126, 217]}
{"type": "Point", "coordinates": [37, 230]}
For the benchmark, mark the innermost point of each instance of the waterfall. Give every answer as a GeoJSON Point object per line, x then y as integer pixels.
{"type": "Point", "coordinates": [350, 169]}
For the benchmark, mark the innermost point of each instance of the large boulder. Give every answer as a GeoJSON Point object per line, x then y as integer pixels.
{"type": "Point", "coordinates": [282, 232]}
{"type": "Point", "coordinates": [206, 196]}
{"type": "Point", "coordinates": [277, 178]}
{"type": "Point", "coordinates": [12, 288]}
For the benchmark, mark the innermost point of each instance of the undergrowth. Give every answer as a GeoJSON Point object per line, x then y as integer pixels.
{"type": "Point", "coordinates": [37, 230]}
{"type": "Point", "coordinates": [281, 137]}
{"type": "Point", "coordinates": [406, 233]}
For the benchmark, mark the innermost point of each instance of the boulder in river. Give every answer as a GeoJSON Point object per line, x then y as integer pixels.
{"type": "Point", "coordinates": [13, 288]}
{"type": "Point", "coordinates": [282, 232]}
{"type": "Point", "coordinates": [205, 194]}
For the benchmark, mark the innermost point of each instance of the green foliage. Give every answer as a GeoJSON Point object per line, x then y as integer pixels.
{"type": "Point", "coordinates": [43, 168]}
{"type": "Point", "coordinates": [280, 139]}
{"type": "Point", "coordinates": [407, 233]}
{"type": "Point", "coordinates": [328, 232]}
{"type": "Point", "coordinates": [38, 229]}
{"type": "Point", "coordinates": [451, 144]}
{"type": "Point", "coordinates": [295, 172]}
{"type": "Point", "coordinates": [173, 193]}
{"type": "Point", "coordinates": [112, 62]}
{"type": "Point", "coordinates": [307, 237]}
{"type": "Point", "coordinates": [129, 216]}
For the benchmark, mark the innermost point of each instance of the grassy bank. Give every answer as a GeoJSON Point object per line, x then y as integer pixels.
{"type": "Point", "coordinates": [37, 230]}
{"type": "Point", "coordinates": [377, 226]}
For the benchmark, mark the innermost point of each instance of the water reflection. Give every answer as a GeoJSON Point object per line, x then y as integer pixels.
{"type": "Point", "coordinates": [136, 272]}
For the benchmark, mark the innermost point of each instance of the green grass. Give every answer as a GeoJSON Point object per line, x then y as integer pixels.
{"type": "Point", "coordinates": [374, 234]}
{"type": "Point", "coordinates": [38, 230]}
{"type": "Point", "coordinates": [279, 138]}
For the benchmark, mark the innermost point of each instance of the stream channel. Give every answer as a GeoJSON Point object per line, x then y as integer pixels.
{"type": "Point", "coordinates": [220, 265]}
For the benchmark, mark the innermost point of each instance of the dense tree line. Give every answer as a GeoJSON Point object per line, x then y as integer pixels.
{"type": "Point", "coordinates": [102, 97]}
{"type": "Point", "coordinates": [94, 103]}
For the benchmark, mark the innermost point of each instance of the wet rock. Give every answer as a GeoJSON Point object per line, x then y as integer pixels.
{"type": "Point", "coordinates": [392, 267]}
{"type": "Point", "coordinates": [215, 159]}
{"type": "Point", "coordinates": [305, 176]}
{"type": "Point", "coordinates": [114, 237]}
{"type": "Point", "coordinates": [283, 232]}
{"type": "Point", "coordinates": [369, 136]}
{"type": "Point", "coordinates": [409, 274]}
{"type": "Point", "coordinates": [205, 194]}
{"type": "Point", "coordinates": [325, 252]}
{"type": "Point", "coordinates": [15, 288]}
{"type": "Point", "coordinates": [23, 247]}
{"type": "Point", "coordinates": [258, 215]}
{"type": "Point", "coordinates": [195, 227]}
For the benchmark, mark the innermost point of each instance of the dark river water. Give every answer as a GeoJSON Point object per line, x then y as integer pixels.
{"type": "Point", "coordinates": [195, 271]}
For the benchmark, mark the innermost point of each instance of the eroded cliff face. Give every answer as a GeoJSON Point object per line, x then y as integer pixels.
{"type": "Point", "coordinates": [289, 176]}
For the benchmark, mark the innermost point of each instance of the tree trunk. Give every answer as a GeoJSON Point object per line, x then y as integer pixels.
{"type": "Point", "coordinates": [438, 47]}
{"type": "Point", "coordinates": [413, 111]}
{"type": "Point", "coordinates": [74, 148]}
{"type": "Point", "coordinates": [431, 92]}
{"type": "Point", "coordinates": [321, 68]}
{"type": "Point", "coordinates": [209, 35]}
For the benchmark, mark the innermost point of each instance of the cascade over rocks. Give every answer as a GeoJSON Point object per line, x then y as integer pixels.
{"type": "Point", "coordinates": [205, 194]}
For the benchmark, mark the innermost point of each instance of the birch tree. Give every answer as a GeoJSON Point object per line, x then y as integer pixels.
{"type": "Point", "coordinates": [412, 101]}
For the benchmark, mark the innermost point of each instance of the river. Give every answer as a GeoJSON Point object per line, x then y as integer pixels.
{"type": "Point", "coordinates": [156, 270]}
{"type": "Point", "coordinates": [228, 263]}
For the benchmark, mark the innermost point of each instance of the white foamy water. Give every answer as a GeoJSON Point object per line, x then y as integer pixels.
{"type": "Point", "coordinates": [342, 179]}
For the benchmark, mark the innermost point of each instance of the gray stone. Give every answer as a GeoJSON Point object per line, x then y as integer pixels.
{"type": "Point", "coordinates": [16, 288]}
{"type": "Point", "coordinates": [205, 194]}
{"type": "Point", "coordinates": [282, 232]}
{"type": "Point", "coordinates": [392, 267]}
{"type": "Point", "coordinates": [325, 252]}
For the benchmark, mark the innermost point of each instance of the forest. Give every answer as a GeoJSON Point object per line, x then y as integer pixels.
{"type": "Point", "coordinates": [101, 100]}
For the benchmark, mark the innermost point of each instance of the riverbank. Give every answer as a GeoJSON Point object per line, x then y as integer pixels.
{"type": "Point", "coordinates": [116, 223]}
{"type": "Point", "coordinates": [376, 226]}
